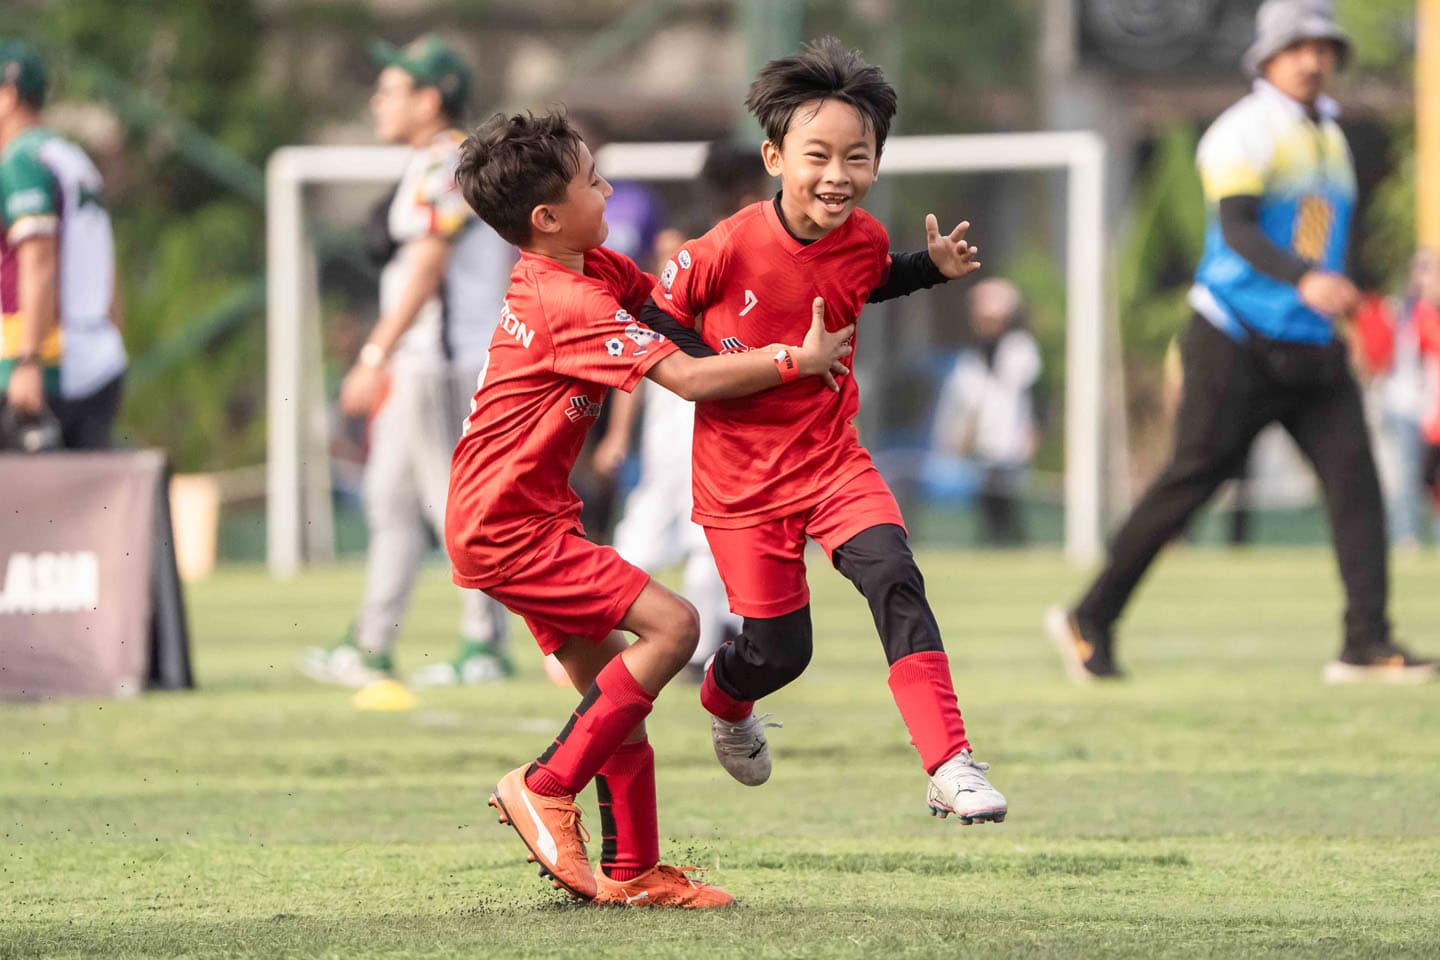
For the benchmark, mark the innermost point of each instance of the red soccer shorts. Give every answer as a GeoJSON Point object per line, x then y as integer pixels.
{"type": "Point", "coordinates": [764, 566]}
{"type": "Point", "coordinates": [571, 588]}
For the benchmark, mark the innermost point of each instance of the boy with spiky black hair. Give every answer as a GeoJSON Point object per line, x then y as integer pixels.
{"type": "Point", "coordinates": [512, 527]}
{"type": "Point", "coordinates": [775, 469]}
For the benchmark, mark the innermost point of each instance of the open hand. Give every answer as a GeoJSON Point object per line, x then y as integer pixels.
{"type": "Point", "coordinates": [951, 253]}
{"type": "Point", "coordinates": [821, 353]}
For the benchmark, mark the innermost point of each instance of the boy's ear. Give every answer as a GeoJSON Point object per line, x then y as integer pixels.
{"type": "Point", "coordinates": [770, 153]}
{"type": "Point", "coordinates": [543, 219]}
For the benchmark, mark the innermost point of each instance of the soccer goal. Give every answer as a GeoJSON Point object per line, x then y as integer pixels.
{"type": "Point", "coordinates": [298, 510]}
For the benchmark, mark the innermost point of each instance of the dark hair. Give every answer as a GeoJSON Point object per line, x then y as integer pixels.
{"type": "Point", "coordinates": [823, 70]}
{"type": "Point", "coordinates": [452, 109]}
{"type": "Point", "coordinates": [732, 171]}
{"type": "Point", "coordinates": [510, 165]}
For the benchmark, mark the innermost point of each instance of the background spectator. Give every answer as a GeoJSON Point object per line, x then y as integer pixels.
{"type": "Point", "coordinates": [986, 411]}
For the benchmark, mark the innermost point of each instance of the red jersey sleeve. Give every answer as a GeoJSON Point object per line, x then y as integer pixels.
{"type": "Point", "coordinates": [595, 339]}
{"type": "Point", "coordinates": [691, 279]}
{"type": "Point", "coordinates": [881, 238]}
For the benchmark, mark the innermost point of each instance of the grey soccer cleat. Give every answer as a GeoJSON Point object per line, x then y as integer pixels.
{"type": "Point", "coordinates": [742, 748]}
{"type": "Point", "coordinates": [959, 787]}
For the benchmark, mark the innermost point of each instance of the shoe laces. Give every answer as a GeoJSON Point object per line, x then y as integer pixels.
{"type": "Point", "coordinates": [570, 821]}
{"type": "Point", "coordinates": [680, 873]}
{"type": "Point", "coordinates": [743, 734]}
{"type": "Point", "coordinates": [965, 775]}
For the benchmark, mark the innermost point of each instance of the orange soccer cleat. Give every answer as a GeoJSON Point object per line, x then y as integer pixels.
{"type": "Point", "coordinates": [550, 827]}
{"type": "Point", "coordinates": [661, 886]}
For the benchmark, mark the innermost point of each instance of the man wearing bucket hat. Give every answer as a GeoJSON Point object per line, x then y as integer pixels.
{"type": "Point", "coordinates": [443, 279]}
{"type": "Point", "coordinates": [1262, 346]}
{"type": "Point", "coordinates": [63, 362]}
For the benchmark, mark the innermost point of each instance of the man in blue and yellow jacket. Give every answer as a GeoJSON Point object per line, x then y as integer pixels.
{"type": "Point", "coordinates": [1263, 347]}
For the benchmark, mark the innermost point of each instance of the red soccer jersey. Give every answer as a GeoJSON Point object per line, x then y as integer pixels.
{"type": "Point", "coordinates": [778, 452]}
{"type": "Point", "coordinates": [563, 339]}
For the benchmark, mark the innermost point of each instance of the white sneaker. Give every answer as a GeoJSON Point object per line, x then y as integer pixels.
{"type": "Point", "coordinates": [742, 748]}
{"type": "Point", "coordinates": [344, 665]}
{"type": "Point", "coordinates": [471, 671]}
{"type": "Point", "coordinates": [960, 787]}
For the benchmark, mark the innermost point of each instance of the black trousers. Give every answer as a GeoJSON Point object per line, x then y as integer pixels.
{"type": "Point", "coordinates": [88, 423]}
{"type": "Point", "coordinates": [1229, 397]}
{"type": "Point", "coordinates": [1001, 521]}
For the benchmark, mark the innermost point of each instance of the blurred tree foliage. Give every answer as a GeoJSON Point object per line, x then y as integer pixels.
{"type": "Point", "coordinates": [1383, 33]}
{"type": "Point", "coordinates": [186, 241]}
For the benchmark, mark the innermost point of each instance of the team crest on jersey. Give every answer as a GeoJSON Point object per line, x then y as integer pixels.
{"type": "Point", "coordinates": [667, 276]}
{"type": "Point", "coordinates": [581, 406]}
{"type": "Point", "coordinates": [732, 345]}
{"type": "Point", "coordinates": [684, 258]}
{"type": "Point", "coordinates": [614, 347]}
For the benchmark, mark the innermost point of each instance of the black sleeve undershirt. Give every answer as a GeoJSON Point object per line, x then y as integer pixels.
{"type": "Point", "coordinates": [908, 272]}
{"type": "Point", "coordinates": [1240, 225]}
{"type": "Point", "coordinates": [686, 338]}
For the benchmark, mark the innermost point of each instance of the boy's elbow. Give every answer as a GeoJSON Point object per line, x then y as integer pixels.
{"type": "Point", "coordinates": [690, 387]}
{"type": "Point", "coordinates": [683, 377]}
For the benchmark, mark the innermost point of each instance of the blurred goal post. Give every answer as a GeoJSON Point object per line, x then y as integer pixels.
{"type": "Point", "coordinates": [299, 520]}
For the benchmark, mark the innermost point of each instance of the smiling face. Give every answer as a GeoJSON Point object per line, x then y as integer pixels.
{"type": "Point", "coordinates": [1302, 70]}
{"type": "Point", "coordinates": [826, 163]}
{"type": "Point", "coordinates": [577, 223]}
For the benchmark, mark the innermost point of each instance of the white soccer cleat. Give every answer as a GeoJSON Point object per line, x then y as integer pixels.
{"type": "Point", "coordinates": [742, 748]}
{"type": "Point", "coordinates": [960, 787]}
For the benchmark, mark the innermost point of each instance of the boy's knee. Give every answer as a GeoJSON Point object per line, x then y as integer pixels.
{"type": "Point", "coordinates": [896, 570]}
{"type": "Point", "coordinates": [780, 646]}
{"type": "Point", "coordinates": [879, 560]}
{"type": "Point", "coordinates": [683, 632]}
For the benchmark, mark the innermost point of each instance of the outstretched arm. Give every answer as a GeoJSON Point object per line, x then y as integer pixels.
{"type": "Point", "coordinates": [945, 257]}
{"type": "Point", "coordinates": [741, 374]}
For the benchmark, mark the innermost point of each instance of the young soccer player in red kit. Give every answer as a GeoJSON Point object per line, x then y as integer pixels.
{"type": "Point", "coordinates": [567, 333]}
{"type": "Point", "coordinates": [774, 470]}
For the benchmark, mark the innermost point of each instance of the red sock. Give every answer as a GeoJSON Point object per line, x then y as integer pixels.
{"type": "Point", "coordinates": [925, 695]}
{"type": "Point", "coordinates": [720, 703]}
{"type": "Point", "coordinates": [629, 827]}
{"type": "Point", "coordinates": [612, 708]}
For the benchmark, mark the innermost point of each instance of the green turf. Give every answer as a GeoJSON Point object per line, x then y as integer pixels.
{"type": "Point", "coordinates": [1223, 803]}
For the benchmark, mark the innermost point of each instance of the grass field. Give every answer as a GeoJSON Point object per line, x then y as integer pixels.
{"type": "Point", "coordinates": [1222, 803]}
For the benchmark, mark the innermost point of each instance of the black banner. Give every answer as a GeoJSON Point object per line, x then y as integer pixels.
{"type": "Point", "coordinates": [90, 601]}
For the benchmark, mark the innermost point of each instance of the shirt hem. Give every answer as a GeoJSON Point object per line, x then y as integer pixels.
{"type": "Point", "coordinates": [510, 561]}
{"type": "Point", "coordinates": [733, 521]}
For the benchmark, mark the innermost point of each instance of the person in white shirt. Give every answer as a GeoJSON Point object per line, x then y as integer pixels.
{"type": "Point", "coordinates": [442, 288]}
{"type": "Point", "coordinates": [986, 410]}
